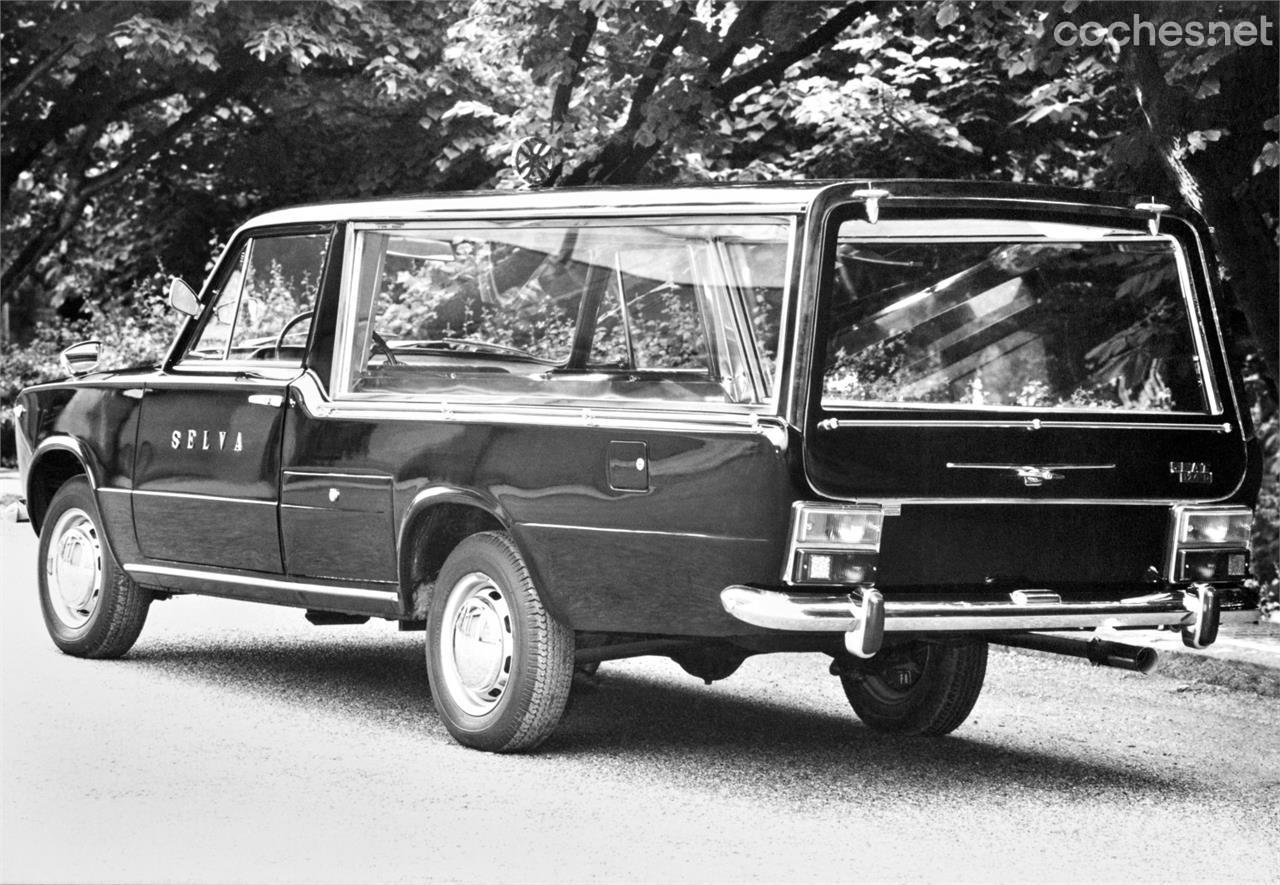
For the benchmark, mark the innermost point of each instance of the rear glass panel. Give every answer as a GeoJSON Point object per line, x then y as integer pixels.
{"type": "Point", "coordinates": [1099, 322]}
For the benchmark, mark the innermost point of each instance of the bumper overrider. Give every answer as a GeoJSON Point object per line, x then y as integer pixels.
{"type": "Point", "coordinates": [838, 545]}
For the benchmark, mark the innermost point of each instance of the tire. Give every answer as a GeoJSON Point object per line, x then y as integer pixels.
{"type": "Point", "coordinates": [921, 688]}
{"type": "Point", "coordinates": [91, 607]}
{"type": "Point", "coordinates": [500, 666]}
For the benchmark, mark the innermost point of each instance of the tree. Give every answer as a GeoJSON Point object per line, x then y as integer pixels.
{"type": "Point", "coordinates": [145, 121]}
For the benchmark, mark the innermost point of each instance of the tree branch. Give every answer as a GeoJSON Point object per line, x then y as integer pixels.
{"type": "Point", "coordinates": [81, 189]}
{"type": "Point", "coordinates": [658, 62]}
{"type": "Point", "coordinates": [150, 146]}
{"type": "Point", "coordinates": [577, 52]}
{"type": "Point", "coordinates": [778, 63]}
{"type": "Point", "coordinates": [37, 71]}
{"type": "Point", "coordinates": [747, 23]}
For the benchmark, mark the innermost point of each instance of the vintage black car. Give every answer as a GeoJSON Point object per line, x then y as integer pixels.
{"type": "Point", "coordinates": [891, 422]}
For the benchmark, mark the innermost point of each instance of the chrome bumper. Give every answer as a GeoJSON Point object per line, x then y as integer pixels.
{"type": "Point", "coordinates": [864, 615]}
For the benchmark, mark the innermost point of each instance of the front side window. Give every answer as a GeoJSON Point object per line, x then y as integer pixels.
{"type": "Point", "coordinates": [1094, 321]}
{"type": "Point", "coordinates": [262, 307]}
{"type": "Point", "coordinates": [563, 310]}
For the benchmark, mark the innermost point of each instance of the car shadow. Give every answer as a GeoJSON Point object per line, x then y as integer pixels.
{"type": "Point", "coordinates": [673, 731]}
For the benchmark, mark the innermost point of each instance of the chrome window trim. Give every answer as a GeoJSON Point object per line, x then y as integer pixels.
{"type": "Point", "coordinates": [310, 398]}
{"type": "Point", "coordinates": [239, 373]}
{"type": "Point", "coordinates": [782, 359]}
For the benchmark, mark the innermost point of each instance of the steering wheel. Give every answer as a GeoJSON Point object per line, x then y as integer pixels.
{"type": "Point", "coordinates": [284, 331]}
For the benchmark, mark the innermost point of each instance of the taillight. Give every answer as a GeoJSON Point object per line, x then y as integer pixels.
{"type": "Point", "coordinates": [833, 544]}
{"type": "Point", "coordinates": [1210, 544]}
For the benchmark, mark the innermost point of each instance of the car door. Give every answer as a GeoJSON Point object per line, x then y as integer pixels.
{"type": "Point", "coordinates": [206, 476]}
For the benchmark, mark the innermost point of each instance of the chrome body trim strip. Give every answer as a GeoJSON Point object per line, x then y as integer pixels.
{"type": "Point", "coordinates": [1012, 424]}
{"type": "Point", "coordinates": [316, 472]}
{"type": "Point", "coordinates": [697, 535]}
{"type": "Point", "coordinates": [270, 583]}
{"type": "Point", "coordinates": [966, 465]}
{"type": "Point", "coordinates": [888, 503]}
{"type": "Point", "coordinates": [839, 613]}
{"type": "Point", "coordinates": [199, 497]}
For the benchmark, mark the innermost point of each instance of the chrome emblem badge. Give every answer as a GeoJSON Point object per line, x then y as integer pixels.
{"type": "Point", "coordinates": [1195, 472]}
{"type": "Point", "coordinates": [1035, 476]}
{"type": "Point", "coordinates": [1032, 475]}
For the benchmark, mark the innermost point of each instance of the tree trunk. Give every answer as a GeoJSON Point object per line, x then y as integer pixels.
{"type": "Point", "coordinates": [1246, 251]}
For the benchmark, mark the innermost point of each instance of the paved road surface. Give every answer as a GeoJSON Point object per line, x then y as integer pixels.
{"type": "Point", "coordinates": [240, 744]}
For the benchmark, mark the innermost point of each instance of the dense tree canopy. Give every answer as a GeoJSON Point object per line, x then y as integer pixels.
{"type": "Point", "coordinates": [137, 134]}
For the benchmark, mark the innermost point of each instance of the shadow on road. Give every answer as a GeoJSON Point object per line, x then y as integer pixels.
{"type": "Point", "coordinates": [662, 731]}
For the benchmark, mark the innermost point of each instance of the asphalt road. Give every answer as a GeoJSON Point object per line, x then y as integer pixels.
{"type": "Point", "coordinates": [238, 743]}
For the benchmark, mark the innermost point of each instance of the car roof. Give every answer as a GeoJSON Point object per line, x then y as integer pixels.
{"type": "Point", "coordinates": [786, 197]}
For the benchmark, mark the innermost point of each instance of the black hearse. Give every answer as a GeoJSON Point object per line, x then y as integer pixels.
{"type": "Point", "coordinates": [891, 422]}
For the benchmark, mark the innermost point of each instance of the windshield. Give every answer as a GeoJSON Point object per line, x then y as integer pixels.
{"type": "Point", "coordinates": [1096, 322]}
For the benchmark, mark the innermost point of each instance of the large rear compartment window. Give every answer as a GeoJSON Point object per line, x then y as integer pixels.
{"type": "Point", "coordinates": [655, 309]}
{"type": "Point", "coordinates": [1098, 322]}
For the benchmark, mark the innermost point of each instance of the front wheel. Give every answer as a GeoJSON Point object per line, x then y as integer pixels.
{"type": "Point", "coordinates": [918, 688]}
{"type": "Point", "coordinates": [500, 666]}
{"type": "Point", "coordinates": [91, 607]}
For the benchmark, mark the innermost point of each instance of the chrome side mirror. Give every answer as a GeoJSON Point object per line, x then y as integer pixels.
{"type": "Point", "coordinates": [80, 359]}
{"type": "Point", "coordinates": [182, 297]}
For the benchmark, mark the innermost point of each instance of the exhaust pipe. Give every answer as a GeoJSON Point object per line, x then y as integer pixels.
{"type": "Point", "coordinates": [1100, 652]}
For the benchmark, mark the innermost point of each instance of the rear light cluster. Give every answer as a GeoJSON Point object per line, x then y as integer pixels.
{"type": "Point", "coordinates": [833, 544]}
{"type": "Point", "coordinates": [1210, 544]}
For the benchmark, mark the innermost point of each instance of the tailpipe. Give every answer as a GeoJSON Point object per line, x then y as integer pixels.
{"type": "Point", "coordinates": [1099, 652]}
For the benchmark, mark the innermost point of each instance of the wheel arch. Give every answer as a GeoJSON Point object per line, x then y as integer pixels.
{"type": "Point", "coordinates": [437, 520]}
{"type": "Point", "coordinates": [55, 461]}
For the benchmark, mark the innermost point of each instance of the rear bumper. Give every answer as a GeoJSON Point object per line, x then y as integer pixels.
{"type": "Point", "coordinates": [854, 613]}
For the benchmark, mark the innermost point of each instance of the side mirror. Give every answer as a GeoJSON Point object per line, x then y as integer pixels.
{"type": "Point", "coordinates": [182, 297]}
{"type": "Point", "coordinates": [80, 359]}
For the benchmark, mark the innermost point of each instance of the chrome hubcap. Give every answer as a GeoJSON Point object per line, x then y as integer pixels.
{"type": "Point", "coordinates": [477, 644]}
{"type": "Point", "coordinates": [73, 568]}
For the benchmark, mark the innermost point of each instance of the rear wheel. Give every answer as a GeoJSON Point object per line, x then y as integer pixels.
{"type": "Point", "coordinates": [499, 664]}
{"type": "Point", "coordinates": [91, 607]}
{"type": "Point", "coordinates": [918, 687]}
